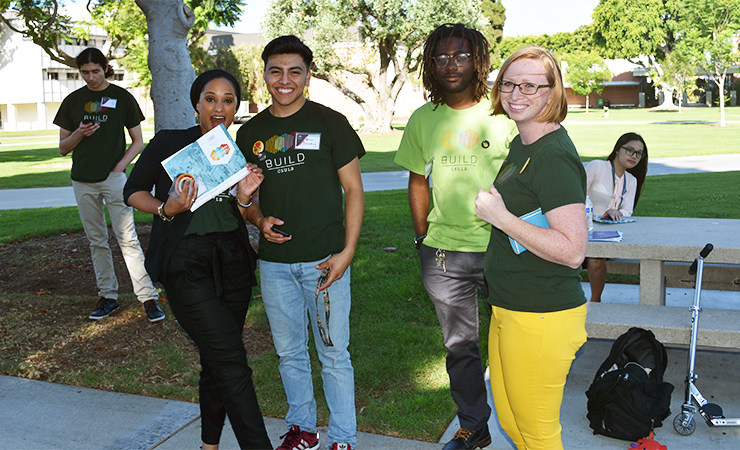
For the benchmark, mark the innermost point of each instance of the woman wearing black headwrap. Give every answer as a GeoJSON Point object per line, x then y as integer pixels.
{"type": "Point", "coordinates": [205, 263]}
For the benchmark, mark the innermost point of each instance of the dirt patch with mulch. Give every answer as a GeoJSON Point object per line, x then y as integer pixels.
{"type": "Point", "coordinates": [47, 290]}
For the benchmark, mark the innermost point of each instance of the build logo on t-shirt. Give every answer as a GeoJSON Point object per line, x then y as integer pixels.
{"type": "Point", "coordinates": [457, 140]}
{"type": "Point", "coordinates": [286, 150]}
{"type": "Point", "coordinates": [102, 105]}
{"type": "Point", "coordinates": [98, 107]}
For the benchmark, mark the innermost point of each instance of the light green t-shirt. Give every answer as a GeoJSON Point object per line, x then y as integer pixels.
{"type": "Point", "coordinates": [465, 149]}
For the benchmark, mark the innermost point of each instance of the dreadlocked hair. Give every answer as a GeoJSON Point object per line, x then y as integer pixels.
{"type": "Point", "coordinates": [479, 51]}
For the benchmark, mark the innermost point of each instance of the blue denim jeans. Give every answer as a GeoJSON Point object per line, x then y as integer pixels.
{"type": "Point", "coordinates": [289, 291]}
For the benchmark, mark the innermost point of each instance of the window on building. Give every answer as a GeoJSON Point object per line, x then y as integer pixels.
{"type": "Point", "coordinates": [73, 76]}
{"type": "Point", "coordinates": [79, 41]}
{"type": "Point", "coordinates": [117, 77]}
{"type": "Point", "coordinates": [52, 75]}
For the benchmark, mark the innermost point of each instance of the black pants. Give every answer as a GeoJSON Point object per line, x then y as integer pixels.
{"type": "Point", "coordinates": [453, 288]}
{"type": "Point", "coordinates": [208, 284]}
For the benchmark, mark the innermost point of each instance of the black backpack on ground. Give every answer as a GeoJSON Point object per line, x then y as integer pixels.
{"type": "Point", "coordinates": [628, 397]}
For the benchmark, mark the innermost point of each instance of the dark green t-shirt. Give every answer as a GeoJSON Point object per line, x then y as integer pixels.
{"type": "Point", "coordinates": [115, 110]}
{"type": "Point", "coordinates": [546, 174]}
{"type": "Point", "coordinates": [214, 216]}
{"type": "Point", "coordinates": [300, 156]}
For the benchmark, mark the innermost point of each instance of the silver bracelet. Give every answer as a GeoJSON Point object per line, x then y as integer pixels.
{"type": "Point", "coordinates": [242, 204]}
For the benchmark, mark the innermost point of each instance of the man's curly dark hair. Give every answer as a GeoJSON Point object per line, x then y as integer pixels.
{"type": "Point", "coordinates": [479, 50]}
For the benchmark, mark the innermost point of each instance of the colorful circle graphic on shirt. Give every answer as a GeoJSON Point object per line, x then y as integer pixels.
{"type": "Point", "coordinates": [459, 139]}
{"type": "Point", "coordinates": [505, 174]}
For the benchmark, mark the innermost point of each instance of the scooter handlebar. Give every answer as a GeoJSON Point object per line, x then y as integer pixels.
{"type": "Point", "coordinates": [703, 253]}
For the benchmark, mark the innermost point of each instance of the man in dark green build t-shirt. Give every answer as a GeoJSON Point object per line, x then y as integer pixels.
{"type": "Point", "coordinates": [308, 154]}
{"type": "Point", "coordinates": [92, 120]}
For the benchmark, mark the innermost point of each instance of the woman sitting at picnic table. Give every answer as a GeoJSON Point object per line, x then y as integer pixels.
{"type": "Point", "coordinates": [614, 186]}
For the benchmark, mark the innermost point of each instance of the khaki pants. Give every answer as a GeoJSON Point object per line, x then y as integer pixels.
{"type": "Point", "coordinates": [91, 201]}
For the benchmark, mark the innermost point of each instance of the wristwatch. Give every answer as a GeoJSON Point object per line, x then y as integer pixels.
{"type": "Point", "coordinates": [418, 240]}
{"type": "Point", "coordinates": [162, 215]}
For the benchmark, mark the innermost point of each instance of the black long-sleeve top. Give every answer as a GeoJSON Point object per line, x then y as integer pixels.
{"type": "Point", "coordinates": [148, 173]}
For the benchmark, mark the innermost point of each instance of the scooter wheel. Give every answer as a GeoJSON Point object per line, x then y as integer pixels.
{"type": "Point", "coordinates": [684, 427]}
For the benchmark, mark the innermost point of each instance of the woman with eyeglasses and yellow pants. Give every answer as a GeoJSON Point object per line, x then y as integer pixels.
{"type": "Point", "coordinates": [538, 320]}
{"type": "Point", "coordinates": [614, 187]}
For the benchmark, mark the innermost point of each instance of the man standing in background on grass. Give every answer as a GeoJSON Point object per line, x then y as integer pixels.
{"type": "Point", "coordinates": [456, 141]}
{"type": "Point", "coordinates": [92, 120]}
{"type": "Point", "coordinates": [308, 154]}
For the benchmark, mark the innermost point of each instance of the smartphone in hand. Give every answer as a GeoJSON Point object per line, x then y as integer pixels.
{"type": "Point", "coordinates": [279, 231]}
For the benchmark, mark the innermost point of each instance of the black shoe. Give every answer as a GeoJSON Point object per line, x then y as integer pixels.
{"type": "Point", "coordinates": [153, 312]}
{"type": "Point", "coordinates": [104, 308]}
{"type": "Point", "coordinates": [467, 439]}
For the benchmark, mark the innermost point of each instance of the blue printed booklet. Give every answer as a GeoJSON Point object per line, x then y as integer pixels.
{"type": "Point", "coordinates": [535, 218]}
{"type": "Point", "coordinates": [213, 160]}
{"type": "Point", "coordinates": [622, 220]}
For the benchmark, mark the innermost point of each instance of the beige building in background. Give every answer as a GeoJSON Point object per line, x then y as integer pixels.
{"type": "Point", "coordinates": [33, 85]}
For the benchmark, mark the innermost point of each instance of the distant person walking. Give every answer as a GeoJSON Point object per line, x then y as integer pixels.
{"type": "Point", "coordinates": [454, 141]}
{"type": "Point", "coordinates": [92, 121]}
{"type": "Point", "coordinates": [614, 186]}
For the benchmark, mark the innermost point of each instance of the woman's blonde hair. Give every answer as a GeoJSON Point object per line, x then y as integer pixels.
{"type": "Point", "coordinates": [557, 109]}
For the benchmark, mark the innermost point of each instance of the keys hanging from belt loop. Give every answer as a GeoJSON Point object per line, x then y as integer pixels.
{"type": "Point", "coordinates": [327, 308]}
{"type": "Point", "coordinates": [440, 258]}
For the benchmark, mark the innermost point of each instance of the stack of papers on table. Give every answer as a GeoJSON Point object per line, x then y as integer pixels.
{"type": "Point", "coordinates": [605, 236]}
{"type": "Point", "coordinates": [622, 220]}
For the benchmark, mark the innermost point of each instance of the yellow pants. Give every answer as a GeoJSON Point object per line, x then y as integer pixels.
{"type": "Point", "coordinates": [530, 355]}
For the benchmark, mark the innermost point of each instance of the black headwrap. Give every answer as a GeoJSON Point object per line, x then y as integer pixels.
{"type": "Point", "coordinates": [205, 77]}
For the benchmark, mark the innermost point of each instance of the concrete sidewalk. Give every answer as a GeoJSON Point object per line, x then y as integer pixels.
{"type": "Point", "coordinates": [39, 415]}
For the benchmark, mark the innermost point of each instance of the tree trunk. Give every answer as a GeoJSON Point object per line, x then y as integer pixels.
{"type": "Point", "coordinates": [168, 23]}
{"type": "Point", "coordinates": [587, 103]}
{"type": "Point", "coordinates": [341, 87]}
{"type": "Point", "coordinates": [721, 100]}
{"type": "Point", "coordinates": [667, 102]}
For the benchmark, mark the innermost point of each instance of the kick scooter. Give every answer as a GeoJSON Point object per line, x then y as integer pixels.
{"type": "Point", "coordinates": [694, 402]}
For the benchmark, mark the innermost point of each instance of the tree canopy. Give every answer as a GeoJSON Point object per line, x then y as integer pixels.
{"type": "Point", "coordinates": [46, 24]}
{"type": "Point", "coordinates": [640, 31]}
{"type": "Point", "coordinates": [709, 28]}
{"type": "Point", "coordinates": [382, 41]}
{"type": "Point", "coordinates": [587, 72]}
{"type": "Point", "coordinates": [559, 43]}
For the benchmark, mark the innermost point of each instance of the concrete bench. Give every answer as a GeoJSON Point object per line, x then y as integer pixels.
{"type": "Point", "coordinates": [717, 277]}
{"type": "Point", "coordinates": [659, 249]}
{"type": "Point", "coordinates": [718, 328]}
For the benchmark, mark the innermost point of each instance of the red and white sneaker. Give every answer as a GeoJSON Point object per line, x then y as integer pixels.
{"type": "Point", "coordinates": [295, 439]}
{"type": "Point", "coordinates": [341, 446]}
